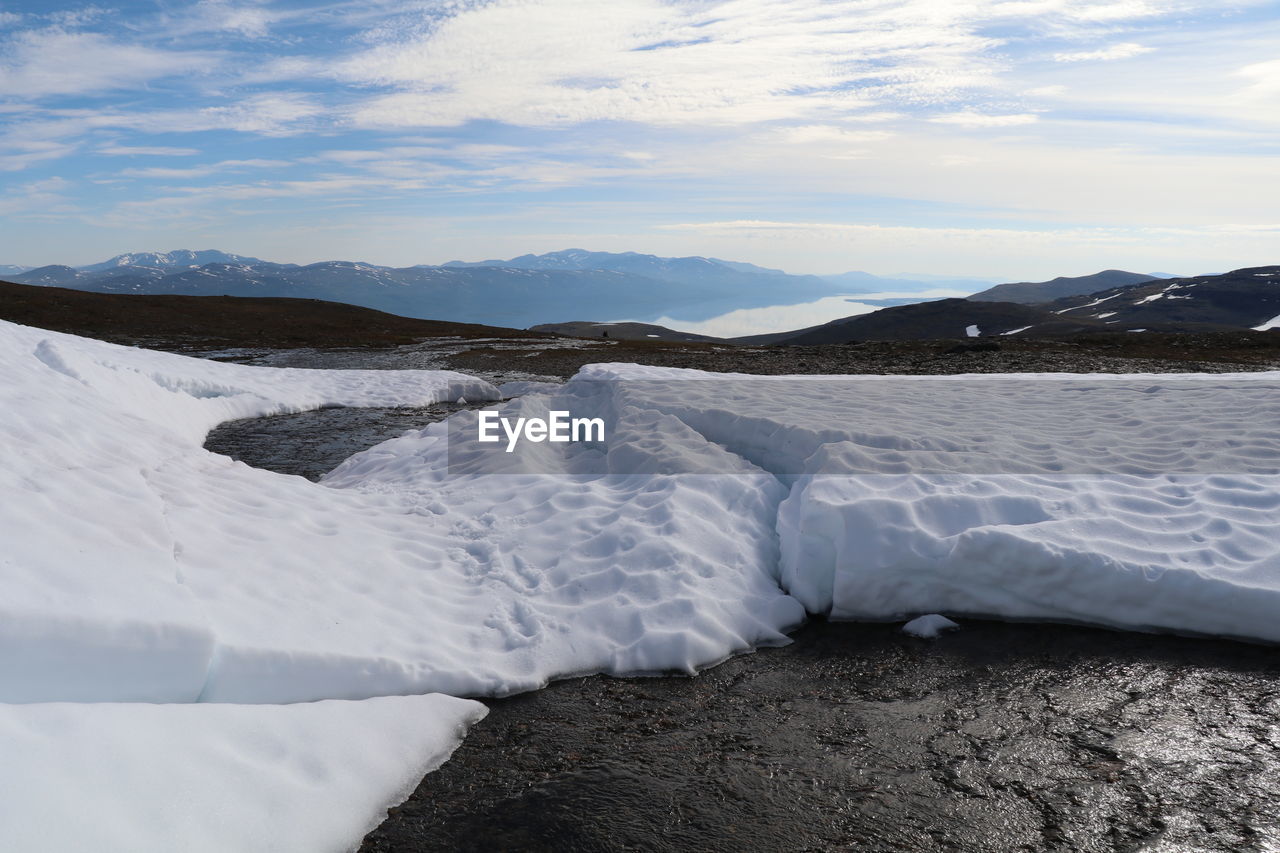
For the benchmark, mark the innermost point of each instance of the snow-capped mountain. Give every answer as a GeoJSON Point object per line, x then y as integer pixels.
{"type": "Point", "coordinates": [178, 258]}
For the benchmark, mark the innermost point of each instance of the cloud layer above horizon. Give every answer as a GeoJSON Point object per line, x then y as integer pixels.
{"type": "Point", "coordinates": [1004, 138]}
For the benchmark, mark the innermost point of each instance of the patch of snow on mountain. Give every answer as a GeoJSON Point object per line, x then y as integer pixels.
{"type": "Point", "coordinates": [972, 331]}
{"type": "Point", "coordinates": [1089, 305]}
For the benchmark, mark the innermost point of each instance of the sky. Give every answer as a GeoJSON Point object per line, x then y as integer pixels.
{"type": "Point", "coordinates": [1003, 139]}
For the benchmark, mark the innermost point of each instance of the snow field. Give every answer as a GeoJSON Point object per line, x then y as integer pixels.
{"type": "Point", "coordinates": [140, 568]}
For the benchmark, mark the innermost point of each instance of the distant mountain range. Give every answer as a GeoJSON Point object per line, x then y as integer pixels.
{"type": "Point", "coordinates": [544, 290]}
{"type": "Point", "coordinates": [178, 259]}
{"type": "Point", "coordinates": [520, 292]}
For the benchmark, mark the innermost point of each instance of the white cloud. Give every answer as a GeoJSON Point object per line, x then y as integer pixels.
{"type": "Point", "coordinates": [272, 114]}
{"type": "Point", "coordinates": [731, 62]}
{"type": "Point", "coordinates": [549, 62]}
{"type": "Point", "coordinates": [250, 20]}
{"type": "Point", "coordinates": [146, 151]}
{"type": "Point", "coordinates": [202, 171]}
{"type": "Point", "coordinates": [1264, 80]}
{"type": "Point", "coordinates": [1047, 91]}
{"type": "Point", "coordinates": [969, 118]}
{"type": "Point", "coordinates": [56, 62]}
{"type": "Point", "coordinates": [37, 199]}
{"type": "Point", "coordinates": [807, 133]}
{"type": "Point", "coordinates": [25, 154]}
{"type": "Point", "coordinates": [1126, 50]}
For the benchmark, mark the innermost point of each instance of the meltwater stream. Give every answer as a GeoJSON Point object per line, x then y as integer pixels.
{"type": "Point", "coordinates": [997, 737]}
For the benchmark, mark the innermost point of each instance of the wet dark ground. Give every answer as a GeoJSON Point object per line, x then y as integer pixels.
{"type": "Point", "coordinates": [311, 444]}
{"type": "Point", "coordinates": [998, 737]}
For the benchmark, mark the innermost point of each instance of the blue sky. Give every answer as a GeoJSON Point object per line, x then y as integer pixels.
{"type": "Point", "coordinates": [1011, 139]}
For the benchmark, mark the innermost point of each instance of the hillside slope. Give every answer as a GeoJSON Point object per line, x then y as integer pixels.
{"type": "Point", "coordinates": [1033, 292]}
{"type": "Point", "coordinates": [1245, 298]}
{"type": "Point", "coordinates": [211, 321]}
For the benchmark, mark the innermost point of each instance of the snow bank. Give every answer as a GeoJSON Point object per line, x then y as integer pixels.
{"type": "Point", "coordinates": [107, 489]}
{"type": "Point", "coordinates": [1147, 502]}
{"type": "Point", "coordinates": [112, 511]}
{"type": "Point", "coordinates": [218, 778]}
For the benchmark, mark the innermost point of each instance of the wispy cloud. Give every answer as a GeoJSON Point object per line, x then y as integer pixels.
{"type": "Point", "coordinates": [54, 61]}
{"type": "Point", "coordinates": [1264, 81]}
{"type": "Point", "coordinates": [43, 199]}
{"type": "Point", "coordinates": [664, 63]}
{"type": "Point", "coordinates": [204, 171]}
{"type": "Point", "coordinates": [1127, 50]}
{"type": "Point", "coordinates": [146, 151]}
{"type": "Point", "coordinates": [970, 118]}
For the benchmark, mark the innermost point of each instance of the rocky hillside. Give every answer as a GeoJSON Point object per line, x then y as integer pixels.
{"type": "Point", "coordinates": [1245, 298]}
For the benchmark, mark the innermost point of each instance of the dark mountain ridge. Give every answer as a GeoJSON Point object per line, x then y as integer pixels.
{"type": "Point", "coordinates": [1033, 293]}
{"type": "Point", "coordinates": [195, 322]}
{"type": "Point", "coordinates": [1242, 299]}
{"type": "Point", "coordinates": [1246, 298]}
